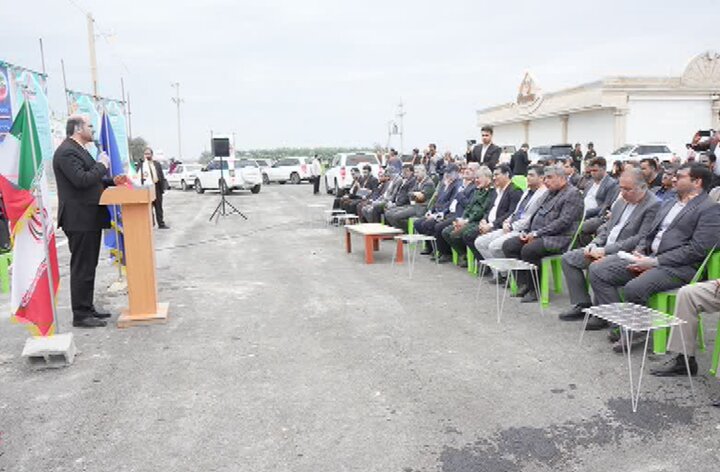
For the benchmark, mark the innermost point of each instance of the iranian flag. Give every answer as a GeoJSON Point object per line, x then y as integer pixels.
{"type": "Point", "coordinates": [22, 188]}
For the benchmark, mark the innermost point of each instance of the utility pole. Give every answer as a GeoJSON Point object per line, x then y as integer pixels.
{"type": "Point", "coordinates": [93, 56]}
{"type": "Point", "coordinates": [177, 100]}
{"type": "Point", "coordinates": [400, 115]}
{"type": "Point", "coordinates": [42, 56]}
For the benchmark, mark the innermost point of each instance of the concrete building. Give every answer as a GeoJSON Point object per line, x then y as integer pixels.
{"type": "Point", "coordinates": [614, 111]}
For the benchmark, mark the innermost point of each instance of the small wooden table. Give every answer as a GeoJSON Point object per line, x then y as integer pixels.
{"type": "Point", "coordinates": [373, 233]}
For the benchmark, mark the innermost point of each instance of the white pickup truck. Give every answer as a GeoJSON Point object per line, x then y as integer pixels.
{"type": "Point", "coordinates": [183, 176]}
{"type": "Point", "coordinates": [237, 174]}
{"type": "Point", "coordinates": [294, 169]}
{"type": "Point", "coordinates": [338, 174]}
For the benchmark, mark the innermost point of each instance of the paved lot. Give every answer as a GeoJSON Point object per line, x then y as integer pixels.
{"type": "Point", "coordinates": [285, 354]}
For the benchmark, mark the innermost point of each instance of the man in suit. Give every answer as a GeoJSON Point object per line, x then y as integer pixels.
{"type": "Point", "coordinates": [419, 195]}
{"type": "Point", "coordinates": [691, 300]}
{"type": "Point", "coordinates": [603, 191]}
{"type": "Point", "coordinates": [666, 191]}
{"type": "Point", "coordinates": [652, 173]}
{"type": "Point", "coordinates": [679, 239]}
{"type": "Point", "coordinates": [368, 183]}
{"type": "Point", "coordinates": [551, 228]}
{"type": "Point", "coordinates": [631, 219]}
{"type": "Point", "coordinates": [354, 187]}
{"type": "Point", "coordinates": [501, 205]}
{"type": "Point", "coordinates": [80, 182]}
{"type": "Point", "coordinates": [571, 172]}
{"type": "Point", "coordinates": [151, 172]}
{"type": "Point", "coordinates": [520, 161]}
{"type": "Point", "coordinates": [489, 245]}
{"type": "Point", "coordinates": [486, 152]}
{"type": "Point", "coordinates": [372, 212]}
{"type": "Point", "coordinates": [440, 208]}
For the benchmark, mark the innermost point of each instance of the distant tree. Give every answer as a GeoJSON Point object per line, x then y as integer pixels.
{"type": "Point", "coordinates": [137, 147]}
{"type": "Point", "coordinates": [205, 157]}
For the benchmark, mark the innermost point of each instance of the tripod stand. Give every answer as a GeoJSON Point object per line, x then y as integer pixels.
{"type": "Point", "coordinates": [220, 209]}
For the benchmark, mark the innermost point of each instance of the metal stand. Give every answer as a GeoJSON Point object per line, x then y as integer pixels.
{"type": "Point", "coordinates": [220, 209]}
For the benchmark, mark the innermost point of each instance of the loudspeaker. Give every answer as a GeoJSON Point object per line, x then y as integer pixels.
{"type": "Point", "coordinates": [221, 147]}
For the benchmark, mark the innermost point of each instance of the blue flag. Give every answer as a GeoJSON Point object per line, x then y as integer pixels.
{"type": "Point", "coordinates": [114, 239]}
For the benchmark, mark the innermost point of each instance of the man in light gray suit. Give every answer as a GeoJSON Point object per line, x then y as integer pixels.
{"type": "Point", "coordinates": [680, 237]}
{"type": "Point", "coordinates": [631, 218]}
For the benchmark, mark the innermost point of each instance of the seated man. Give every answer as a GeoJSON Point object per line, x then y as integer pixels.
{"type": "Point", "coordinates": [372, 213]}
{"type": "Point", "coordinates": [680, 237]}
{"type": "Point", "coordinates": [375, 195]}
{"type": "Point", "coordinates": [502, 203]}
{"type": "Point", "coordinates": [551, 228]}
{"type": "Point", "coordinates": [691, 300]}
{"type": "Point", "coordinates": [402, 196]}
{"type": "Point", "coordinates": [630, 221]}
{"type": "Point", "coordinates": [666, 191]}
{"type": "Point", "coordinates": [368, 184]}
{"type": "Point", "coordinates": [476, 210]}
{"type": "Point", "coordinates": [354, 187]}
{"type": "Point", "coordinates": [599, 197]}
{"type": "Point", "coordinates": [463, 198]}
{"type": "Point", "coordinates": [448, 189]}
{"type": "Point", "coordinates": [489, 245]}
{"type": "Point", "coordinates": [419, 195]}
{"type": "Point", "coordinates": [652, 173]}
{"type": "Point", "coordinates": [571, 172]}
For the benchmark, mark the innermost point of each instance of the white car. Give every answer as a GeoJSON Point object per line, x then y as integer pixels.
{"type": "Point", "coordinates": [295, 169]}
{"type": "Point", "coordinates": [506, 154]}
{"type": "Point", "coordinates": [636, 152]}
{"type": "Point", "coordinates": [183, 177]}
{"type": "Point", "coordinates": [338, 174]}
{"type": "Point", "coordinates": [237, 174]}
{"type": "Point", "coordinates": [264, 166]}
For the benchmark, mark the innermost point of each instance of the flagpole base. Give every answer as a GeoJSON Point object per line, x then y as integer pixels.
{"type": "Point", "coordinates": [126, 320]}
{"type": "Point", "coordinates": [50, 352]}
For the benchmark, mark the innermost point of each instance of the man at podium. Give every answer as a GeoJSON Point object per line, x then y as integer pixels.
{"type": "Point", "coordinates": [80, 182]}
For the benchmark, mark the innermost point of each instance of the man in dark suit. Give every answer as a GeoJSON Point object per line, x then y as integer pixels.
{"type": "Point", "coordinates": [439, 208]}
{"type": "Point", "coordinates": [520, 161]}
{"type": "Point", "coordinates": [680, 237]}
{"type": "Point", "coordinates": [80, 182]}
{"type": "Point", "coordinates": [486, 152]}
{"type": "Point", "coordinates": [151, 172]}
{"type": "Point", "coordinates": [551, 228]}
{"type": "Point", "coordinates": [631, 219]}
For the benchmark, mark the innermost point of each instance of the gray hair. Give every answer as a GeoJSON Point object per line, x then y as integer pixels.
{"type": "Point", "coordinates": [483, 171]}
{"type": "Point", "coordinates": [474, 166]}
{"type": "Point", "coordinates": [74, 123]}
{"type": "Point", "coordinates": [557, 169]}
{"type": "Point", "coordinates": [638, 178]}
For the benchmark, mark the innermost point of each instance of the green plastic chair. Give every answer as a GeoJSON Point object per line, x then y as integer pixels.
{"type": "Point", "coordinates": [472, 265]}
{"type": "Point", "coordinates": [411, 226]}
{"type": "Point", "coordinates": [664, 302]}
{"type": "Point", "coordinates": [553, 264]}
{"type": "Point", "coordinates": [716, 350]}
{"type": "Point", "coordinates": [5, 262]}
{"type": "Point", "coordinates": [520, 181]}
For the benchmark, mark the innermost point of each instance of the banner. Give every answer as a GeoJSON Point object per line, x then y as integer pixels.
{"type": "Point", "coordinates": [15, 84]}
{"type": "Point", "coordinates": [86, 104]}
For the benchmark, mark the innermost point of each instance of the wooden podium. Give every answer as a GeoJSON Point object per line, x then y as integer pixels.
{"type": "Point", "coordinates": [144, 308]}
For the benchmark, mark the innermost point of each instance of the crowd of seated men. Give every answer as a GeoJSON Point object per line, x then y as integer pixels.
{"type": "Point", "coordinates": [643, 228]}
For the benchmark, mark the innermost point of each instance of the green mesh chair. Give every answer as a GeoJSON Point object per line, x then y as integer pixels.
{"type": "Point", "coordinates": [553, 264]}
{"type": "Point", "coordinates": [664, 302]}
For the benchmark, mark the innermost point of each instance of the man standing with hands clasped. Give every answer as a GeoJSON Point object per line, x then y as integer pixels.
{"type": "Point", "coordinates": [151, 171]}
{"type": "Point", "coordinates": [80, 182]}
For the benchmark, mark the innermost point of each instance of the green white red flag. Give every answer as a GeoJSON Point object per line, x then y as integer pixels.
{"type": "Point", "coordinates": [21, 183]}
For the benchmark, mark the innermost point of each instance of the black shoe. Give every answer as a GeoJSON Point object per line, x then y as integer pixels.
{"type": "Point", "coordinates": [89, 322]}
{"type": "Point", "coordinates": [621, 346]}
{"type": "Point", "coordinates": [574, 314]}
{"type": "Point", "coordinates": [99, 315]}
{"type": "Point", "coordinates": [444, 259]}
{"type": "Point", "coordinates": [163, 226]}
{"type": "Point", "coordinates": [529, 297]}
{"type": "Point", "coordinates": [676, 367]}
{"type": "Point", "coordinates": [596, 324]}
{"type": "Point", "coordinates": [522, 291]}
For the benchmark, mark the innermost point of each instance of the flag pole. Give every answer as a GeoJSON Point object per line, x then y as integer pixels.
{"type": "Point", "coordinates": [114, 207]}
{"type": "Point", "coordinates": [43, 218]}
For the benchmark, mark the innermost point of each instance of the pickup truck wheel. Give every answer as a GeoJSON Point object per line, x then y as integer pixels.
{"type": "Point", "coordinates": [295, 178]}
{"type": "Point", "coordinates": [183, 185]}
{"type": "Point", "coordinates": [256, 189]}
{"type": "Point", "coordinates": [266, 179]}
{"type": "Point", "coordinates": [198, 186]}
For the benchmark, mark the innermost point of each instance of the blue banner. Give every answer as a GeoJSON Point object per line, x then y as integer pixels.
{"type": "Point", "coordinates": [6, 116]}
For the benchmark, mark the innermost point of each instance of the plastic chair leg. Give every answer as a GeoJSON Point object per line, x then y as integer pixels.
{"type": "Point", "coordinates": [701, 335]}
{"type": "Point", "coordinates": [716, 352]}
{"type": "Point", "coordinates": [411, 226]}
{"type": "Point", "coordinates": [5, 274]}
{"type": "Point", "coordinates": [658, 302]}
{"type": "Point", "coordinates": [545, 282]}
{"type": "Point", "coordinates": [455, 256]}
{"type": "Point", "coordinates": [555, 262]}
{"type": "Point", "coordinates": [472, 268]}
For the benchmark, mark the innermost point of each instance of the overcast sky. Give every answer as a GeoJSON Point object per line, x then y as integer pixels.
{"type": "Point", "coordinates": [331, 72]}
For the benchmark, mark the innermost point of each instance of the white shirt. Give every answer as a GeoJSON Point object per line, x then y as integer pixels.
{"type": "Point", "coordinates": [493, 211]}
{"type": "Point", "coordinates": [148, 170]}
{"type": "Point", "coordinates": [615, 232]}
{"type": "Point", "coordinates": [483, 150]}
{"type": "Point", "coordinates": [315, 168]}
{"type": "Point", "coordinates": [453, 204]}
{"type": "Point", "coordinates": [672, 214]}
{"type": "Point", "coordinates": [590, 201]}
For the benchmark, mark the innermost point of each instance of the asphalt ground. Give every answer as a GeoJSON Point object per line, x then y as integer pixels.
{"type": "Point", "coordinates": [284, 353]}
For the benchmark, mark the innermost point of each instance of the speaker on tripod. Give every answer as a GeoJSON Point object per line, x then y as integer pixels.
{"type": "Point", "coordinates": [221, 148]}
